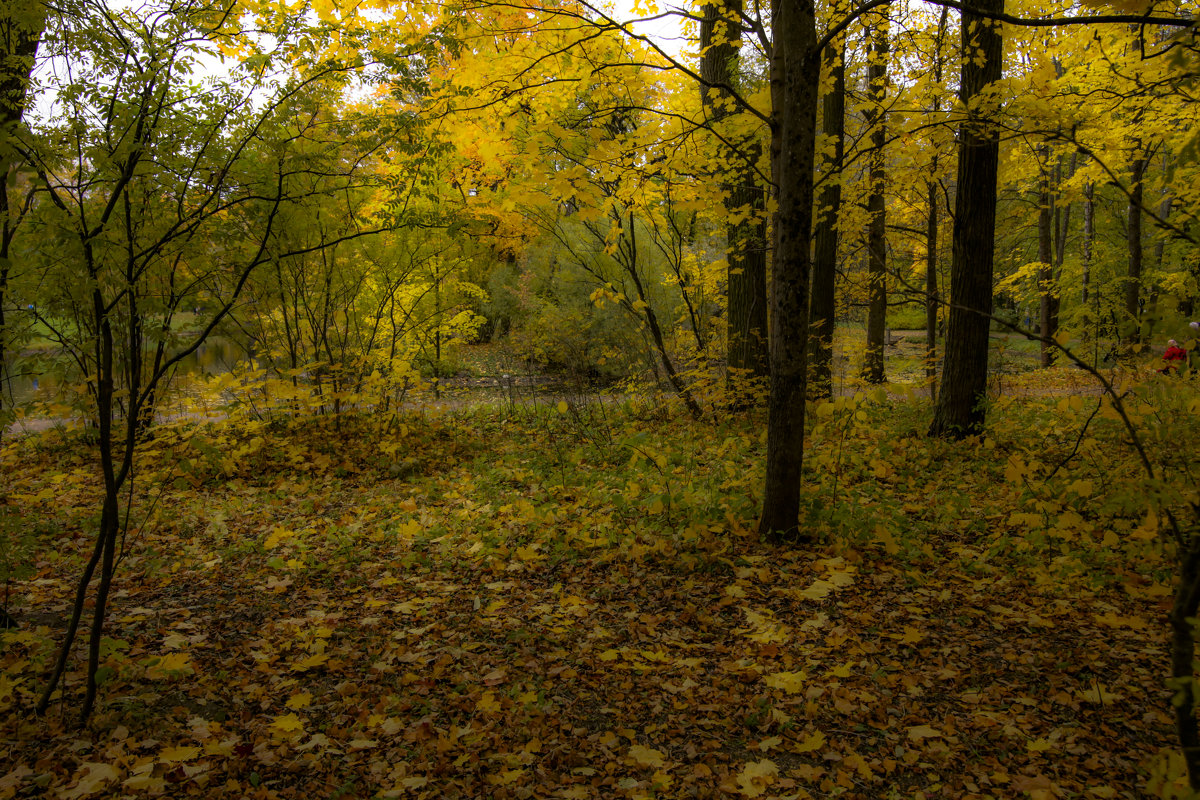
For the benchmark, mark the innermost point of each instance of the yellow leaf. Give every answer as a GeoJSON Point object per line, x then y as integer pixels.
{"type": "Point", "coordinates": [170, 665]}
{"type": "Point", "coordinates": [610, 655]}
{"type": "Point", "coordinates": [487, 703]}
{"type": "Point", "coordinates": [300, 700]}
{"type": "Point", "coordinates": [173, 755]}
{"type": "Point", "coordinates": [841, 672]}
{"type": "Point", "coordinates": [769, 743]}
{"type": "Point", "coordinates": [276, 536]}
{"type": "Point", "coordinates": [646, 756]}
{"type": "Point", "coordinates": [756, 776]}
{"type": "Point", "coordinates": [96, 777]}
{"type": "Point", "coordinates": [841, 578]}
{"type": "Point", "coordinates": [1037, 745]}
{"type": "Point", "coordinates": [1117, 621]}
{"type": "Point", "coordinates": [919, 732]}
{"type": "Point", "coordinates": [818, 591]}
{"type": "Point", "coordinates": [562, 406]}
{"type": "Point", "coordinates": [315, 660]}
{"type": "Point", "coordinates": [814, 741]}
{"type": "Point", "coordinates": [790, 682]}
{"type": "Point", "coordinates": [287, 725]}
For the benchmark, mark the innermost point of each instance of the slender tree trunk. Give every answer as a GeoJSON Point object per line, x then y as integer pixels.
{"type": "Point", "coordinates": [960, 410]}
{"type": "Point", "coordinates": [1159, 253]}
{"type": "Point", "coordinates": [1047, 316]}
{"type": "Point", "coordinates": [1133, 241]}
{"type": "Point", "coordinates": [932, 300]}
{"type": "Point", "coordinates": [931, 283]}
{"type": "Point", "coordinates": [823, 305]}
{"type": "Point", "coordinates": [1089, 237]}
{"type": "Point", "coordinates": [656, 334]}
{"type": "Point", "coordinates": [795, 61]}
{"type": "Point", "coordinates": [873, 366]}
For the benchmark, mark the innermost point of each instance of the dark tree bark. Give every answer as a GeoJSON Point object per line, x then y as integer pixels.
{"type": "Point", "coordinates": [1133, 240]}
{"type": "Point", "coordinates": [795, 61]}
{"type": "Point", "coordinates": [933, 189]}
{"type": "Point", "coordinates": [1089, 236]}
{"type": "Point", "coordinates": [823, 304]}
{"type": "Point", "coordinates": [746, 277]}
{"type": "Point", "coordinates": [1048, 304]}
{"type": "Point", "coordinates": [873, 368]}
{"type": "Point", "coordinates": [931, 284]}
{"type": "Point", "coordinates": [960, 411]}
{"type": "Point", "coordinates": [21, 25]}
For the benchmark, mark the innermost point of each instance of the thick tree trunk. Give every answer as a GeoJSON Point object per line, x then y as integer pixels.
{"type": "Point", "coordinates": [746, 276]}
{"type": "Point", "coordinates": [960, 408]}
{"type": "Point", "coordinates": [21, 25]}
{"type": "Point", "coordinates": [823, 305]}
{"type": "Point", "coordinates": [873, 368]}
{"type": "Point", "coordinates": [746, 319]}
{"type": "Point", "coordinates": [795, 62]}
{"type": "Point", "coordinates": [1183, 655]}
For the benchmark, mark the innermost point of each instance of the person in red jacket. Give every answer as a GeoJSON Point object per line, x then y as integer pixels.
{"type": "Point", "coordinates": [1175, 357]}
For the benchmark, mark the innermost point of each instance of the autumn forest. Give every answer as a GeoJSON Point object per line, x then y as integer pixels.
{"type": "Point", "coordinates": [562, 399]}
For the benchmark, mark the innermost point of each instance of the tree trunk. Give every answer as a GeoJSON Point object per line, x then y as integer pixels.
{"type": "Point", "coordinates": [746, 317]}
{"type": "Point", "coordinates": [1089, 236]}
{"type": "Point", "coordinates": [823, 305]}
{"type": "Point", "coordinates": [873, 369]}
{"type": "Point", "coordinates": [960, 408]}
{"type": "Point", "coordinates": [932, 301]}
{"type": "Point", "coordinates": [1047, 310]}
{"type": "Point", "coordinates": [21, 26]}
{"type": "Point", "coordinates": [1133, 240]}
{"type": "Point", "coordinates": [656, 334]}
{"type": "Point", "coordinates": [795, 62]}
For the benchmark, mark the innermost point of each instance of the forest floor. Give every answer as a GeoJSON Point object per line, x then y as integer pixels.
{"type": "Point", "coordinates": [545, 600]}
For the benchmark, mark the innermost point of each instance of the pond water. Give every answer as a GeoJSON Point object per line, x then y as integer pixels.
{"type": "Point", "coordinates": [39, 376]}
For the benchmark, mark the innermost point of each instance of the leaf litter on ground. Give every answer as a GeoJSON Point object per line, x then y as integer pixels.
{"type": "Point", "coordinates": [499, 604]}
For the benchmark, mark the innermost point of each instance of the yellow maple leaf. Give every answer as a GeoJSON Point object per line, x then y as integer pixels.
{"type": "Point", "coordinates": [278, 535]}
{"type": "Point", "coordinates": [300, 700]}
{"type": "Point", "coordinates": [756, 776]}
{"type": "Point", "coordinates": [287, 725]}
{"type": "Point", "coordinates": [487, 703]}
{"type": "Point", "coordinates": [95, 778]}
{"type": "Point", "coordinates": [315, 660]}
{"type": "Point", "coordinates": [173, 755]}
{"type": "Point", "coordinates": [172, 664]}
{"type": "Point", "coordinates": [841, 672]}
{"type": "Point", "coordinates": [790, 682]}
{"type": "Point", "coordinates": [814, 741]}
{"type": "Point", "coordinates": [646, 756]}
{"type": "Point", "coordinates": [818, 591]}
{"type": "Point", "coordinates": [919, 732]}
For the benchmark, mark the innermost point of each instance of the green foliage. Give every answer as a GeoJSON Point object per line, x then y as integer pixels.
{"type": "Point", "coordinates": [906, 318]}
